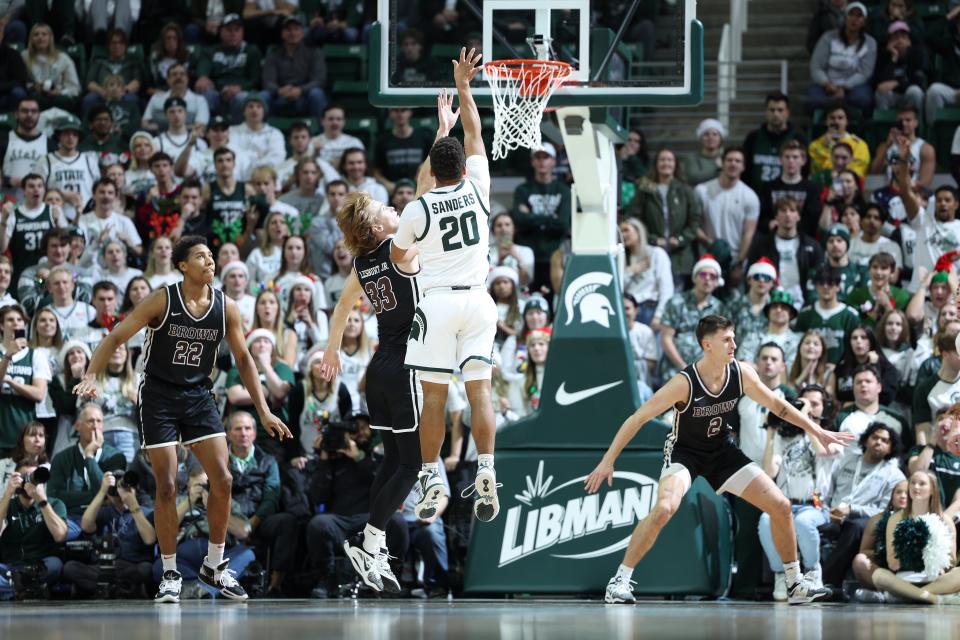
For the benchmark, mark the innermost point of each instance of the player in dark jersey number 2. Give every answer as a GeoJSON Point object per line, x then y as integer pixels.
{"type": "Point", "coordinates": [185, 323]}
{"type": "Point", "coordinates": [703, 396]}
{"type": "Point", "coordinates": [393, 392]}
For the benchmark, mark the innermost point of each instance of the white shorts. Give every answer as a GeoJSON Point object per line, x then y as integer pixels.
{"type": "Point", "coordinates": [450, 328]}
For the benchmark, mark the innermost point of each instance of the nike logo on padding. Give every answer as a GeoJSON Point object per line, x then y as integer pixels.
{"type": "Point", "coordinates": [565, 398]}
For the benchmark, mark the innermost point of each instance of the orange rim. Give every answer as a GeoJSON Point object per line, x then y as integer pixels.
{"type": "Point", "coordinates": [530, 72]}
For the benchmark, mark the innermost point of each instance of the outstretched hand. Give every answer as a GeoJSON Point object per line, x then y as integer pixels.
{"type": "Point", "coordinates": [466, 67]}
{"type": "Point", "coordinates": [330, 364]}
{"type": "Point", "coordinates": [86, 388]}
{"type": "Point", "coordinates": [838, 438]}
{"type": "Point", "coordinates": [594, 481]}
{"type": "Point", "coordinates": [274, 427]}
{"type": "Point", "coordinates": [445, 113]}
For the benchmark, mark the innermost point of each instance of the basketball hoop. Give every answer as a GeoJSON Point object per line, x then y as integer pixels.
{"type": "Point", "coordinates": [521, 90]}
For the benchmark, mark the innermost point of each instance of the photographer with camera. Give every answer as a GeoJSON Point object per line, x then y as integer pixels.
{"type": "Point", "coordinates": [256, 494]}
{"type": "Point", "coordinates": [790, 458]}
{"type": "Point", "coordinates": [341, 476]}
{"type": "Point", "coordinates": [32, 531]}
{"type": "Point", "coordinates": [126, 531]}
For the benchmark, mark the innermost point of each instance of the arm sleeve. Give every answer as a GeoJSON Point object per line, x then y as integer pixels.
{"type": "Point", "coordinates": [269, 76]}
{"type": "Point", "coordinates": [751, 204]}
{"type": "Point", "coordinates": [203, 111]}
{"type": "Point", "coordinates": [819, 59]}
{"type": "Point", "coordinates": [271, 492]}
{"type": "Point", "coordinates": [71, 83]}
{"type": "Point", "coordinates": [411, 223]}
{"type": "Point", "coordinates": [277, 150]}
{"type": "Point", "coordinates": [868, 63]}
{"type": "Point", "coordinates": [478, 170]}
{"type": "Point", "coordinates": [665, 287]}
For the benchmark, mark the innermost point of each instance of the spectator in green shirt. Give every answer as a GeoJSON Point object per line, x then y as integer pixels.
{"type": "Point", "coordinates": [939, 457]}
{"type": "Point", "coordinates": [275, 376]}
{"type": "Point", "coordinates": [879, 296]}
{"type": "Point", "coordinates": [401, 150]}
{"type": "Point", "coordinates": [256, 491]}
{"type": "Point", "coordinates": [104, 139]}
{"type": "Point", "coordinates": [541, 209]}
{"type": "Point", "coordinates": [118, 62]}
{"type": "Point", "coordinates": [77, 472]}
{"type": "Point", "coordinates": [32, 529]}
{"type": "Point", "coordinates": [230, 71]}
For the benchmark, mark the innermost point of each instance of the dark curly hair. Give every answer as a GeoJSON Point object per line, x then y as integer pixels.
{"type": "Point", "coordinates": [447, 159]}
{"type": "Point", "coordinates": [182, 249]}
{"type": "Point", "coordinates": [895, 443]}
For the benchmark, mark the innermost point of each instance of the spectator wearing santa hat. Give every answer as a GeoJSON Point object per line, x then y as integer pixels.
{"type": "Point", "coordinates": [683, 312]}
{"type": "Point", "coordinates": [747, 311]}
{"type": "Point", "coordinates": [235, 278]}
{"type": "Point", "coordinates": [793, 252]}
{"type": "Point", "coordinates": [275, 377]}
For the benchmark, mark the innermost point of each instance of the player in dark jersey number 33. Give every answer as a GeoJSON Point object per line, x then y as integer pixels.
{"type": "Point", "coordinates": [185, 323]}
{"type": "Point", "coordinates": [702, 396]}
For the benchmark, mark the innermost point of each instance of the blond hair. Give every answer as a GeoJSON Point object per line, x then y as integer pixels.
{"type": "Point", "coordinates": [263, 173]}
{"type": "Point", "coordinates": [32, 52]}
{"type": "Point", "coordinates": [356, 222]}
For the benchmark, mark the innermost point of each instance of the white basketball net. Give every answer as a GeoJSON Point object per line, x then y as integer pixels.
{"type": "Point", "coordinates": [521, 90]}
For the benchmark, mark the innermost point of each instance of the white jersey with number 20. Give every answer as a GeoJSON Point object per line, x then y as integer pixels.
{"type": "Point", "coordinates": [450, 226]}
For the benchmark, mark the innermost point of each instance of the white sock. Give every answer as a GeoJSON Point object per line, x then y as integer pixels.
{"type": "Point", "coordinates": [485, 460]}
{"type": "Point", "coordinates": [214, 554]}
{"type": "Point", "coordinates": [624, 573]}
{"type": "Point", "coordinates": [431, 467]}
{"type": "Point", "coordinates": [372, 539]}
{"type": "Point", "coordinates": [792, 572]}
{"type": "Point", "coordinates": [169, 562]}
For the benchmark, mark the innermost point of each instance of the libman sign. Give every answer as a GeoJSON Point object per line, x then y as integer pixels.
{"type": "Point", "coordinates": [551, 536]}
{"type": "Point", "coordinates": [548, 517]}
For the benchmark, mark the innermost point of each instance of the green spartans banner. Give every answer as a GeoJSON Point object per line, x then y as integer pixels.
{"type": "Point", "coordinates": [550, 535]}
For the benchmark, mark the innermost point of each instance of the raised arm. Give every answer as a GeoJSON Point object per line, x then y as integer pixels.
{"type": "Point", "coordinates": [761, 394]}
{"type": "Point", "coordinates": [676, 391]}
{"type": "Point", "coordinates": [338, 322]}
{"type": "Point", "coordinates": [446, 119]}
{"type": "Point", "coordinates": [464, 71]}
{"type": "Point", "coordinates": [248, 372]}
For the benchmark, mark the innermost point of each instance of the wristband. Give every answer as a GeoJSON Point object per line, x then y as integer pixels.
{"type": "Point", "coordinates": [42, 504]}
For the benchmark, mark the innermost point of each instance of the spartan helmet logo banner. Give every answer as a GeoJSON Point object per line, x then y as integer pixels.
{"type": "Point", "coordinates": [582, 294]}
{"type": "Point", "coordinates": [418, 328]}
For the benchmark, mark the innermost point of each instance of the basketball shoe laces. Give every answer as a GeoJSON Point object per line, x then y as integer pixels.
{"type": "Point", "coordinates": [228, 579]}
{"type": "Point", "coordinates": [472, 489]}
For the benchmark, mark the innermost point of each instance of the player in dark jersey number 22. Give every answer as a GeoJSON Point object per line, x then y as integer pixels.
{"type": "Point", "coordinates": [393, 392]}
{"type": "Point", "coordinates": [185, 323]}
{"type": "Point", "coordinates": [703, 395]}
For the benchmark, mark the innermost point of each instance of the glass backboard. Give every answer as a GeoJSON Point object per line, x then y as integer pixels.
{"type": "Point", "coordinates": [623, 52]}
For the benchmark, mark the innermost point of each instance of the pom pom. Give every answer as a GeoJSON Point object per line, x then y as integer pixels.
{"type": "Point", "coordinates": [936, 553]}
{"type": "Point", "coordinates": [909, 539]}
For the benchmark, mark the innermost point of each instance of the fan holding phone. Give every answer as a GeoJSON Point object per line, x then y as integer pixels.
{"type": "Point", "coordinates": [25, 377]}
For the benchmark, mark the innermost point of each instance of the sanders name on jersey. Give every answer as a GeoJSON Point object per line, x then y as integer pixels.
{"type": "Point", "coordinates": [443, 206]}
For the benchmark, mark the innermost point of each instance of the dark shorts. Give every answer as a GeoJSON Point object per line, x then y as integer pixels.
{"type": "Point", "coordinates": [394, 395]}
{"type": "Point", "coordinates": [170, 414]}
{"type": "Point", "coordinates": [716, 467]}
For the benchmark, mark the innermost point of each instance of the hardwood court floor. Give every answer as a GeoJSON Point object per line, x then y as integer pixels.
{"type": "Point", "coordinates": [516, 619]}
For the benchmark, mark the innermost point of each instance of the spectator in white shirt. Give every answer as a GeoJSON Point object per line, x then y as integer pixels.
{"type": "Point", "coordinates": [643, 345]}
{"type": "Point", "coordinates": [263, 263]}
{"type": "Point", "coordinates": [331, 144]}
{"type": "Point", "coordinates": [104, 223]}
{"type": "Point", "coordinates": [353, 168]}
{"type": "Point", "coordinates": [74, 316]}
{"type": "Point", "coordinates": [198, 161]}
{"type": "Point", "coordinates": [647, 276]}
{"type": "Point", "coordinates": [262, 140]}
{"type": "Point", "coordinates": [198, 112]}
{"type": "Point", "coordinates": [298, 137]}
{"type": "Point", "coordinates": [235, 279]}
{"type": "Point", "coordinates": [504, 252]}
{"type": "Point", "coordinates": [730, 211]}
{"type": "Point", "coordinates": [115, 269]}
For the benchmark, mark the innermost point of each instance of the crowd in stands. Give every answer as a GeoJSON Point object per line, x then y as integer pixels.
{"type": "Point", "coordinates": [841, 297]}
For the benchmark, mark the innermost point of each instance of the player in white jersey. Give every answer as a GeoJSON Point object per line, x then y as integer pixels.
{"type": "Point", "coordinates": [456, 321]}
{"type": "Point", "coordinates": [25, 144]}
{"type": "Point", "coordinates": [69, 170]}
